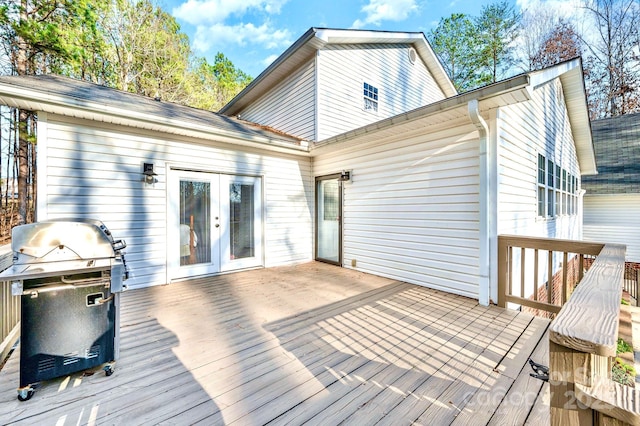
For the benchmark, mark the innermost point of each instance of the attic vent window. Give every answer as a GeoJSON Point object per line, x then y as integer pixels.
{"type": "Point", "coordinates": [370, 98]}
{"type": "Point", "coordinates": [412, 55]}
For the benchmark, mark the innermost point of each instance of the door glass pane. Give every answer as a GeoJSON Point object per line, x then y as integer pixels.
{"type": "Point", "coordinates": [328, 219]}
{"type": "Point", "coordinates": [195, 222]}
{"type": "Point", "coordinates": [241, 220]}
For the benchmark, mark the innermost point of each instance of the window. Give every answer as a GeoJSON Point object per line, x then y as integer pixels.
{"type": "Point", "coordinates": [550, 193]}
{"type": "Point", "coordinates": [557, 210]}
{"type": "Point", "coordinates": [370, 98]}
{"type": "Point", "coordinates": [557, 189]}
{"type": "Point", "coordinates": [541, 185]}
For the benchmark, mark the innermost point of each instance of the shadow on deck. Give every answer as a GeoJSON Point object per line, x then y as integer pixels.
{"type": "Point", "coordinates": [311, 344]}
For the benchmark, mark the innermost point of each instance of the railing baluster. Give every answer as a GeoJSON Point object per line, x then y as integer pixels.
{"type": "Point", "coordinates": [581, 267]}
{"type": "Point", "coordinates": [535, 274]}
{"type": "Point", "coordinates": [550, 277]}
{"type": "Point", "coordinates": [510, 270]}
{"type": "Point", "coordinates": [558, 285]}
{"type": "Point", "coordinates": [522, 270]}
{"type": "Point", "coordinates": [565, 274]}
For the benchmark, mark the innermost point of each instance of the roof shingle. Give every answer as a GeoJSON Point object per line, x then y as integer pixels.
{"type": "Point", "coordinates": [617, 147]}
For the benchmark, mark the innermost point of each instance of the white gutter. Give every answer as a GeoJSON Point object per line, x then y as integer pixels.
{"type": "Point", "coordinates": [484, 203]}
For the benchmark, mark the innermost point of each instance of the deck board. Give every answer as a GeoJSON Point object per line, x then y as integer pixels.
{"type": "Point", "coordinates": [311, 343]}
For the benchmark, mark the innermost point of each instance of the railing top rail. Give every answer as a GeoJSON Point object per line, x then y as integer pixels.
{"type": "Point", "coordinates": [588, 322]}
{"type": "Point", "coordinates": [569, 246]}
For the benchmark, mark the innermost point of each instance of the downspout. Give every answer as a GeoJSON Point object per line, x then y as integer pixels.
{"type": "Point", "coordinates": [484, 203]}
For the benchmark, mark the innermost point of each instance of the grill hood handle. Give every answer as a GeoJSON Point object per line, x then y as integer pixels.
{"type": "Point", "coordinates": [119, 245]}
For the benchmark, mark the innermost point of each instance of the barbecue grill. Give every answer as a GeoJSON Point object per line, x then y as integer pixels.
{"type": "Point", "coordinates": [69, 274]}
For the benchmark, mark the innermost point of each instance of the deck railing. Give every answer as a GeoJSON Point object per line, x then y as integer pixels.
{"type": "Point", "coordinates": [584, 334]}
{"type": "Point", "coordinates": [582, 348]}
{"type": "Point", "coordinates": [541, 273]}
{"type": "Point", "coordinates": [9, 308]}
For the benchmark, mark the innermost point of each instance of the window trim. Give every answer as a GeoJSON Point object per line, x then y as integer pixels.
{"type": "Point", "coordinates": [371, 98]}
{"type": "Point", "coordinates": [556, 190]}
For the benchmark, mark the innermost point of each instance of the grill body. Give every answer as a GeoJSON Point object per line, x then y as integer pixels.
{"type": "Point", "coordinates": [66, 331]}
{"type": "Point", "coordinates": [69, 274]}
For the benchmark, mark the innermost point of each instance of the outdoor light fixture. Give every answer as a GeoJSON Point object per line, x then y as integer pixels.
{"type": "Point", "coordinates": [345, 176]}
{"type": "Point", "coordinates": [148, 173]}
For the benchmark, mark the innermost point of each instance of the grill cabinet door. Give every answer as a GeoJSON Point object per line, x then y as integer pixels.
{"type": "Point", "coordinates": [65, 331]}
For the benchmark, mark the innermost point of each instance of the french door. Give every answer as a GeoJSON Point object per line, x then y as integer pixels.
{"type": "Point", "coordinates": [214, 223]}
{"type": "Point", "coordinates": [329, 219]}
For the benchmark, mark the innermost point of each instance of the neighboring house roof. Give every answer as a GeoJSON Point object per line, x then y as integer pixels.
{"type": "Point", "coordinates": [315, 39]}
{"type": "Point", "coordinates": [617, 146]}
{"type": "Point", "coordinates": [506, 92]}
{"type": "Point", "coordinates": [81, 99]}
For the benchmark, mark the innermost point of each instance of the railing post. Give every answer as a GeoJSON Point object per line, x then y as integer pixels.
{"type": "Point", "coordinates": [503, 260]}
{"type": "Point", "coordinates": [568, 367]}
{"type": "Point", "coordinates": [582, 346]}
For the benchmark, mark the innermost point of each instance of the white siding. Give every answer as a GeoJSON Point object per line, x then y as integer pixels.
{"type": "Point", "coordinates": [289, 106]}
{"type": "Point", "coordinates": [342, 70]}
{"type": "Point", "coordinates": [614, 219]}
{"type": "Point", "coordinates": [411, 211]}
{"type": "Point", "coordinates": [96, 171]}
{"type": "Point", "coordinates": [540, 126]}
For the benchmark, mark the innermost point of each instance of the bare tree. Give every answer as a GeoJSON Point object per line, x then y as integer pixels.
{"type": "Point", "coordinates": [561, 44]}
{"type": "Point", "coordinates": [535, 26]}
{"type": "Point", "coordinates": [614, 77]}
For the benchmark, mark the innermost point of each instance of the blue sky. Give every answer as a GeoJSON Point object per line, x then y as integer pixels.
{"type": "Point", "coordinates": [252, 33]}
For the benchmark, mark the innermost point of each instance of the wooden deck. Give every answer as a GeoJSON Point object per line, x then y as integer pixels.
{"type": "Point", "coordinates": [313, 344]}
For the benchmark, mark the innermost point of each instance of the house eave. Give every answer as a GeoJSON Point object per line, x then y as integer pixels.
{"type": "Point", "coordinates": [40, 101]}
{"type": "Point", "coordinates": [490, 97]}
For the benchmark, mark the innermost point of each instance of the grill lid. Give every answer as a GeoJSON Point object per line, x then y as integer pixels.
{"type": "Point", "coordinates": [55, 241]}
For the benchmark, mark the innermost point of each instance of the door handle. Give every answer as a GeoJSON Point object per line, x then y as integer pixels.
{"type": "Point", "coordinates": [217, 225]}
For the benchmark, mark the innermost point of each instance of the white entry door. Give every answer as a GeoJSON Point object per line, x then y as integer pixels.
{"type": "Point", "coordinates": [329, 219]}
{"type": "Point", "coordinates": [214, 223]}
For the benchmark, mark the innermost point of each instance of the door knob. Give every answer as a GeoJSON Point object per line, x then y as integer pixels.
{"type": "Point", "coordinates": [217, 225]}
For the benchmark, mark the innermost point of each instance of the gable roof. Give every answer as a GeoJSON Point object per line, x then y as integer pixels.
{"type": "Point", "coordinates": [315, 39]}
{"type": "Point", "coordinates": [617, 146]}
{"type": "Point", "coordinates": [81, 99]}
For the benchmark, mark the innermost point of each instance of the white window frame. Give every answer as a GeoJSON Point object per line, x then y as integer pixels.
{"type": "Point", "coordinates": [557, 190]}
{"type": "Point", "coordinates": [371, 97]}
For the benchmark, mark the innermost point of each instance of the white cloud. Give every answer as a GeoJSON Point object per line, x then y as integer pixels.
{"type": "Point", "coordinates": [203, 12]}
{"type": "Point", "coordinates": [269, 60]}
{"type": "Point", "coordinates": [385, 10]}
{"type": "Point", "coordinates": [241, 35]}
{"type": "Point", "coordinates": [562, 8]}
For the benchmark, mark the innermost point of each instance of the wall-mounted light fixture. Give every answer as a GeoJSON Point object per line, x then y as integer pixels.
{"type": "Point", "coordinates": [148, 173]}
{"type": "Point", "coordinates": [345, 176]}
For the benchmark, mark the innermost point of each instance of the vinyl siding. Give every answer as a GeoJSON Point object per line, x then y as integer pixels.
{"type": "Point", "coordinates": [614, 219]}
{"type": "Point", "coordinates": [96, 171]}
{"type": "Point", "coordinates": [289, 106]}
{"type": "Point", "coordinates": [540, 126]}
{"type": "Point", "coordinates": [342, 71]}
{"type": "Point", "coordinates": [411, 211]}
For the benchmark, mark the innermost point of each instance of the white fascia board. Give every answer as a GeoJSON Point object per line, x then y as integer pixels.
{"type": "Point", "coordinates": [50, 103]}
{"type": "Point", "coordinates": [363, 36]}
{"type": "Point", "coordinates": [570, 75]}
{"type": "Point", "coordinates": [418, 40]}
